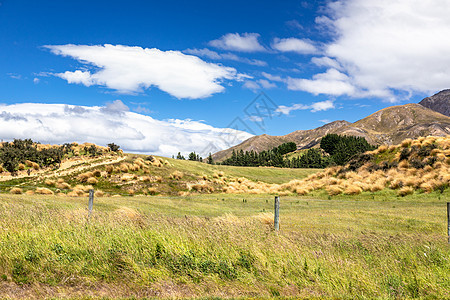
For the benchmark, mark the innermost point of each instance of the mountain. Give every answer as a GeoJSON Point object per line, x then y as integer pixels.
{"type": "Point", "coordinates": [439, 102]}
{"type": "Point", "coordinates": [389, 126]}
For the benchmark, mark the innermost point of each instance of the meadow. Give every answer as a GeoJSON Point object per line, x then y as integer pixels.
{"type": "Point", "coordinates": [371, 245]}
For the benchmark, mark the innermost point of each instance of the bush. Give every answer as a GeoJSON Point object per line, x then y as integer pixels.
{"type": "Point", "coordinates": [113, 147]}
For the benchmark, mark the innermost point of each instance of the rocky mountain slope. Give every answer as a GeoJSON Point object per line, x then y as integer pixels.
{"type": "Point", "coordinates": [439, 102]}
{"type": "Point", "coordinates": [389, 126]}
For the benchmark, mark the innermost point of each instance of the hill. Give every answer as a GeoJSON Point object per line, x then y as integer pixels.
{"type": "Point", "coordinates": [439, 102]}
{"type": "Point", "coordinates": [114, 173]}
{"type": "Point", "coordinates": [389, 126]}
{"type": "Point", "coordinates": [413, 166]}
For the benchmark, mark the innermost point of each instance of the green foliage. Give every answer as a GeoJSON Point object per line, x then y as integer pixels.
{"type": "Point", "coordinates": [19, 151]}
{"type": "Point", "coordinates": [210, 159]}
{"type": "Point", "coordinates": [113, 147]}
{"type": "Point", "coordinates": [343, 148]}
{"type": "Point", "coordinates": [194, 157]}
{"type": "Point", "coordinates": [275, 158]}
{"type": "Point", "coordinates": [179, 156]}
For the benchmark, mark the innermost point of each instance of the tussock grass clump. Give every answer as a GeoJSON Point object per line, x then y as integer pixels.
{"type": "Point", "coordinates": [202, 187]}
{"type": "Point", "coordinates": [83, 177]}
{"type": "Point", "coordinates": [128, 177]}
{"type": "Point", "coordinates": [177, 175]}
{"type": "Point", "coordinates": [124, 167]}
{"type": "Point", "coordinates": [16, 190]}
{"type": "Point", "coordinates": [21, 167]}
{"type": "Point", "coordinates": [218, 174]}
{"type": "Point", "coordinates": [407, 190]}
{"type": "Point", "coordinates": [97, 173]}
{"type": "Point", "coordinates": [92, 180]}
{"type": "Point", "coordinates": [99, 193]}
{"type": "Point", "coordinates": [62, 185]}
{"type": "Point", "coordinates": [265, 218]}
{"type": "Point", "coordinates": [152, 191]}
{"type": "Point", "coordinates": [353, 190]}
{"type": "Point", "coordinates": [50, 182]}
{"type": "Point", "coordinates": [109, 169]}
{"type": "Point", "coordinates": [44, 191]}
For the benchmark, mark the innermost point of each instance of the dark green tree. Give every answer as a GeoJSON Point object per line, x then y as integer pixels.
{"type": "Point", "coordinates": [210, 159]}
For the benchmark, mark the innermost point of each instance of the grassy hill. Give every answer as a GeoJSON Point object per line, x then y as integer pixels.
{"type": "Point", "coordinates": [411, 167]}
{"type": "Point", "coordinates": [127, 174]}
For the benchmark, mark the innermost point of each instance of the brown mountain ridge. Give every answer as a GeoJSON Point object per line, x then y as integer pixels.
{"type": "Point", "coordinates": [389, 126]}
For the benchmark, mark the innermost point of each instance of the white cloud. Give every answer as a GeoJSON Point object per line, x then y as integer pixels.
{"type": "Point", "coordinates": [59, 123]}
{"type": "Point", "coordinates": [301, 46]}
{"type": "Point", "coordinates": [254, 62]}
{"type": "Point", "coordinates": [266, 84]}
{"type": "Point", "coordinates": [326, 62]}
{"type": "Point", "coordinates": [132, 69]}
{"type": "Point", "coordinates": [272, 77]}
{"type": "Point", "coordinates": [247, 42]}
{"type": "Point", "coordinates": [251, 85]}
{"type": "Point", "coordinates": [259, 84]}
{"type": "Point", "coordinates": [314, 107]}
{"type": "Point", "coordinates": [36, 80]}
{"type": "Point", "coordinates": [387, 46]}
{"type": "Point", "coordinates": [326, 121]}
{"type": "Point", "coordinates": [82, 77]}
{"type": "Point", "coordinates": [321, 106]}
{"type": "Point", "coordinates": [205, 52]}
{"type": "Point", "coordinates": [332, 82]}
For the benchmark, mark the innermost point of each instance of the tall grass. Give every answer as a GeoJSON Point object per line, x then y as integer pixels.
{"type": "Point", "coordinates": [223, 245]}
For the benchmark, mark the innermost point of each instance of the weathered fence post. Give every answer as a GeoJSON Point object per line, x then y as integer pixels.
{"type": "Point", "coordinates": [276, 221]}
{"type": "Point", "coordinates": [91, 203]}
{"type": "Point", "coordinates": [448, 221]}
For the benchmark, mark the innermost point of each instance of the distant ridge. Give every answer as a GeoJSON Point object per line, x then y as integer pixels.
{"type": "Point", "coordinates": [439, 102]}
{"type": "Point", "coordinates": [389, 126]}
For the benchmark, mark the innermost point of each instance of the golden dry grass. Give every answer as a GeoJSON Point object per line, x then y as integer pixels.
{"type": "Point", "coordinates": [177, 175]}
{"type": "Point", "coordinates": [44, 191]}
{"type": "Point", "coordinates": [16, 191]}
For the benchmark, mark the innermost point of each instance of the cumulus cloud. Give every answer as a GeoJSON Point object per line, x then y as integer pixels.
{"type": "Point", "coordinates": [272, 77]}
{"type": "Point", "coordinates": [59, 123]}
{"type": "Point", "coordinates": [205, 52]}
{"type": "Point", "coordinates": [332, 82]}
{"type": "Point", "coordinates": [314, 107]}
{"type": "Point", "coordinates": [132, 69]}
{"type": "Point", "coordinates": [385, 47]}
{"type": "Point", "coordinates": [301, 46]}
{"type": "Point", "coordinates": [247, 42]}
{"type": "Point", "coordinates": [259, 84]}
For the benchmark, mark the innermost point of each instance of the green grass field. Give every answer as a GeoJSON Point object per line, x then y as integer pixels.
{"type": "Point", "coordinates": [374, 245]}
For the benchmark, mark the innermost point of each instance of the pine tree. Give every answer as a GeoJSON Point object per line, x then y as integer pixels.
{"type": "Point", "coordinates": [210, 159]}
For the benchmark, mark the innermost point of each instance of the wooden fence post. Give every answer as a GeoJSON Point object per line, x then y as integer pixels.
{"type": "Point", "coordinates": [448, 221]}
{"type": "Point", "coordinates": [91, 203]}
{"type": "Point", "coordinates": [276, 221]}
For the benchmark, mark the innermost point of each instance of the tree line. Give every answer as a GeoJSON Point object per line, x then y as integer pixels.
{"type": "Point", "coordinates": [334, 150]}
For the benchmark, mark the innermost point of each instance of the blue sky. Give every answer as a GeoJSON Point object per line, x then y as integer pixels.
{"type": "Point", "coordinates": [201, 63]}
